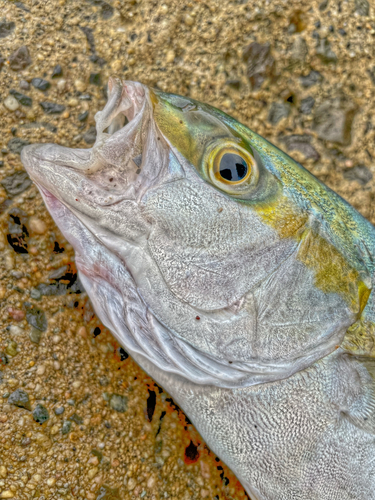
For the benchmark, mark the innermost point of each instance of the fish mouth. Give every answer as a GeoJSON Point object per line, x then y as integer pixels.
{"type": "Point", "coordinates": [120, 117]}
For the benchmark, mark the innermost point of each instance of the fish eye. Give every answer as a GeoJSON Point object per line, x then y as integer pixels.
{"type": "Point", "coordinates": [231, 167]}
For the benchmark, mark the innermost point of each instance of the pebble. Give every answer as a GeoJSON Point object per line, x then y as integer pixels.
{"type": "Point", "coordinates": [37, 226]}
{"type": "Point", "coordinates": [260, 63]}
{"type": "Point", "coordinates": [20, 59]}
{"type": "Point", "coordinates": [73, 102]}
{"type": "Point", "coordinates": [40, 414]}
{"type": "Point", "coordinates": [21, 98]}
{"type": "Point", "coordinates": [61, 84]}
{"type": "Point", "coordinates": [7, 494]}
{"type": "Point", "coordinates": [302, 143]}
{"type": "Point", "coordinates": [278, 111]}
{"type": "Point", "coordinates": [170, 57]}
{"type": "Point", "coordinates": [40, 84]}
{"type": "Point", "coordinates": [95, 79]}
{"type": "Point", "coordinates": [11, 348]}
{"type": "Point", "coordinates": [118, 403]}
{"type": "Point", "coordinates": [36, 318]}
{"type": "Point", "coordinates": [306, 105]}
{"type": "Point", "coordinates": [57, 71]}
{"type": "Point", "coordinates": [59, 411]}
{"type": "Point", "coordinates": [11, 103]}
{"type": "Point", "coordinates": [56, 365]}
{"type": "Point", "coordinates": [359, 173]}
{"type": "Point", "coordinates": [132, 483]}
{"type": "Point", "coordinates": [311, 79]}
{"type": "Point", "coordinates": [333, 120]}
{"type": "Point", "coordinates": [3, 471]}
{"type": "Point", "coordinates": [56, 339]}
{"type": "Point", "coordinates": [15, 330]}
{"type": "Point", "coordinates": [40, 370]}
{"type": "Point", "coordinates": [80, 85]}
{"type": "Point", "coordinates": [362, 7]}
{"type": "Point", "coordinates": [35, 335]}
{"type": "Point", "coordinates": [325, 52]}
{"type": "Point", "coordinates": [3, 359]}
{"type": "Point", "coordinates": [17, 183]}
{"type": "Point", "coordinates": [92, 472]}
{"type": "Point", "coordinates": [16, 145]}
{"type": "Point", "coordinates": [299, 50]}
{"type": "Point", "coordinates": [20, 398]}
{"type": "Point", "coordinates": [52, 108]}
{"type": "Point", "coordinates": [82, 117]}
{"type": "Point", "coordinates": [66, 426]}
{"type": "Point", "coordinates": [24, 85]}
{"type": "Point", "coordinates": [6, 28]}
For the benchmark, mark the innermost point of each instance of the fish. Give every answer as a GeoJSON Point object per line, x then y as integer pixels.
{"type": "Point", "coordinates": [236, 279]}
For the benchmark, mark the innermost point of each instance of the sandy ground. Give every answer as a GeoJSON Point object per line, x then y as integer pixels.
{"type": "Point", "coordinates": [78, 418]}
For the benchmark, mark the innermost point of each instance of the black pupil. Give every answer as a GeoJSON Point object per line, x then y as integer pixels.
{"type": "Point", "coordinates": [232, 167]}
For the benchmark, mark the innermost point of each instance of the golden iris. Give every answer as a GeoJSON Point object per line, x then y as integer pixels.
{"type": "Point", "coordinates": [231, 168]}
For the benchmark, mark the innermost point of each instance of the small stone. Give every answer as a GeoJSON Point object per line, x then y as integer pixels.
{"type": "Point", "coordinates": [20, 398]}
{"type": "Point", "coordinates": [61, 84]}
{"type": "Point", "coordinates": [40, 370]}
{"type": "Point", "coordinates": [40, 83]}
{"type": "Point", "coordinates": [92, 472]}
{"type": "Point", "coordinates": [132, 483]}
{"type": "Point", "coordinates": [359, 173]}
{"type": "Point", "coordinates": [56, 365]}
{"type": "Point", "coordinates": [333, 120]}
{"type": "Point", "coordinates": [170, 57]}
{"type": "Point", "coordinates": [73, 102]}
{"type": "Point", "coordinates": [151, 482]}
{"type": "Point", "coordinates": [82, 117]}
{"type": "Point", "coordinates": [66, 426]}
{"type": "Point", "coordinates": [3, 418]}
{"type": "Point", "coordinates": [303, 144]}
{"type": "Point", "coordinates": [260, 63]}
{"type": "Point", "coordinates": [15, 330]}
{"type": "Point", "coordinates": [6, 28]}
{"type": "Point", "coordinates": [7, 494]}
{"type": "Point", "coordinates": [23, 99]}
{"type": "Point", "coordinates": [58, 273]}
{"type": "Point", "coordinates": [306, 105]}
{"type": "Point", "coordinates": [17, 183]}
{"type": "Point", "coordinates": [11, 103]}
{"type": "Point", "coordinates": [56, 339]}
{"type": "Point", "coordinates": [362, 7]}
{"type": "Point", "coordinates": [95, 79]}
{"type": "Point", "coordinates": [36, 318]}
{"type": "Point", "coordinates": [35, 335]}
{"type": "Point", "coordinates": [118, 403]}
{"type": "Point", "coordinates": [20, 59]}
{"type": "Point", "coordinates": [90, 136]}
{"type": "Point", "coordinates": [3, 471]}
{"type": "Point", "coordinates": [188, 20]}
{"type": "Point", "coordinates": [40, 414]}
{"type": "Point", "coordinates": [51, 108]}
{"type": "Point", "coordinates": [37, 226]}
{"type": "Point", "coordinates": [324, 51]}
{"type": "Point", "coordinates": [311, 79]}
{"type": "Point", "coordinates": [11, 348]}
{"type": "Point", "coordinates": [16, 145]}
{"type": "Point", "coordinates": [57, 71]}
{"type": "Point", "coordinates": [59, 411]}
{"type": "Point", "coordinates": [278, 111]}
{"type": "Point", "coordinates": [299, 50]}
{"type": "Point", "coordinates": [24, 85]}
{"type": "Point", "coordinates": [80, 85]}
{"type": "Point", "coordinates": [3, 359]}
{"type": "Point", "coordinates": [51, 481]}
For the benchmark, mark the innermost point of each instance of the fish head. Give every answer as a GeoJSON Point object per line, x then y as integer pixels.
{"type": "Point", "coordinates": [203, 247]}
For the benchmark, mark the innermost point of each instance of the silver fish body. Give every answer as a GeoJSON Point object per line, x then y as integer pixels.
{"type": "Point", "coordinates": [234, 278]}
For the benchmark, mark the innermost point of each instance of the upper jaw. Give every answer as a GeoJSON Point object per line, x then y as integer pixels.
{"type": "Point", "coordinates": [117, 164]}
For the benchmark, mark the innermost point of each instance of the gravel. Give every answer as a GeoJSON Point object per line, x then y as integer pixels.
{"type": "Point", "coordinates": [20, 398]}
{"type": "Point", "coordinates": [17, 183]}
{"type": "Point", "coordinates": [22, 98]}
{"type": "Point", "coordinates": [52, 108]}
{"type": "Point", "coordinates": [40, 414]}
{"type": "Point", "coordinates": [20, 59]}
{"type": "Point", "coordinates": [40, 84]}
